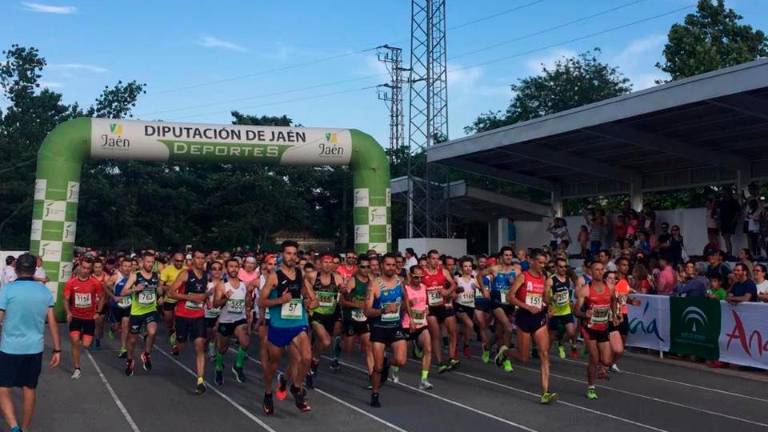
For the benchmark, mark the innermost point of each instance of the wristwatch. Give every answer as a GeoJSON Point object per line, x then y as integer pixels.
{"type": "Point", "coordinates": [56, 351]}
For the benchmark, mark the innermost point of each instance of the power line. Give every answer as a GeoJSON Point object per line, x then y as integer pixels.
{"type": "Point", "coordinates": [497, 14]}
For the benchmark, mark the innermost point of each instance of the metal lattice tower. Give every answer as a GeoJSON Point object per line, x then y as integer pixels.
{"type": "Point", "coordinates": [428, 114]}
{"type": "Point", "coordinates": [392, 93]}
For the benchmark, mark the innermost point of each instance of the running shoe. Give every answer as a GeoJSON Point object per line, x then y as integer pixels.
{"type": "Point", "coordinates": [300, 398]}
{"type": "Point", "coordinates": [335, 365]}
{"type": "Point", "coordinates": [218, 377]}
{"type": "Point", "coordinates": [591, 393]}
{"type": "Point", "coordinates": [269, 404]}
{"type": "Point", "coordinates": [486, 356]}
{"type": "Point", "coordinates": [454, 363]}
{"type": "Point", "coordinates": [375, 400]}
{"type": "Point", "coordinates": [394, 375]}
{"type": "Point", "coordinates": [239, 374]}
{"type": "Point", "coordinates": [123, 354]}
{"type": "Point", "coordinates": [548, 398]}
{"type": "Point", "coordinates": [76, 374]}
{"type": "Point", "coordinates": [615, 368]}
{"type": "Point", "coordinates": [508, 366]}
{"type": "Point", "coordinates": [337, 347]}
{"type": "Point", "coordinates": [129, 367]}
{"type": "Point", "coordinates": [443, 367]}
{"type": "Point", "coordinates": [282, 387]}
{"type": "Point", "coordinates": [424, 384]}
{"type": "Point", "coordinates": [200, 388]}
{"type": "Point", "coordinates": [146, 361]}
{"type": "Point", "coordinates": [172, 339]}
{"type": "Point", "coordinates": [111, 334]}
{"type": "Point", "coordinates": [561, 351]}
{"type": "Point", "coordinates": [417, 351]}
{"type": "Point", "coordinates": [499, 359]}
{"type": "Point", "coordinates": [175, 350]}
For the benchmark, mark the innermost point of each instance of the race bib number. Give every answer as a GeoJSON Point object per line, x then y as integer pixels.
{"type": "Point", "coordinates": [266, 314]}
{"type": "Point", "coordinates": [124, 302]}
{"type": "Point", "coordinates": [236, 306]}
{"type": "Point", "coordinates": [291, 310]}
{"type": "Point", "coordinates": [147, 297]}
{"type": "Point", "coordinates": [533, 299]}
{"type": "Point", "coordinates": [467, 299]}
{"type": "Point", "coordinates": [562, 298]}
{"type": "Point", "coordinates": [326, 299]}
{"type": "Point", "coordinates": [434, 298]}
{"type": "Point", "coordinates": [358, 315]}
{"type": "Point", "coordinates": [600, 314]}
{"type": "Point", "coordinates": [83, 300]}
{"type": "Point", "coordinates": [189, 304]}
{"type": "Point", "coordinates": [503, 294]}
{"type": "Point", "coordinates": [419, 317]}
{"type": "Point", "coordinates": [390, 316]}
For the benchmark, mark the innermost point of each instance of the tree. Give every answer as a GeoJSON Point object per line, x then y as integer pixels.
{"type": "Point", "coordinates": [710, 39]}
{"type": "Point", "coordinates": [571, 82]}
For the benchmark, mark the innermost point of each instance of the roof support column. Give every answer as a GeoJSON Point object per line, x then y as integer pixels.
{"type": "Point", "coordinates": [557, 200]}
{"type": "Point", "coordinates": [743, 177]}
{"type": "Point", "coordinates": [636, 194]}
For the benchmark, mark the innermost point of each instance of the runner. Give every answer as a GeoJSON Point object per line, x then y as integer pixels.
{"type": "Point", "coordinates": [483, 314]}
{"type": "Point", "coordinates": [100, 275]}
{"type": "Point", "coordinates": [468, 290]}
{"type": "Point", "coordinates": [120, 302]}
{"type": "Point", "coordinates": [530, 297]}
{"type": "Point", "coordinates": [284, 293]}
{"type": "Point", "coordinates": [191, 289]}
{"type": "Point", "coordinates": [167, 277]}
{"type": "Point", "coordinates": [83, 299]}
{"type": "Point", "coordinates": [383, 308]}
{"type": "Point", "coordinates": [235, 299]}
{"type": "Point", "coordinates": [618, 333]}
{"type": "Point", "coordinates": [440, 291]}
{"type": "Point", "coordinates": [325, 319]}
{"type": "Point", "coordinates": [594, 303]}
{"type": "Point", "coordinates": [143, 292]}
{"type": "Point", "coordinates": [261, 314]}
{"type": "Point", "coordinates": [503, 276]}
{"type": "Point", "coordinates": [415, 322]}
{"type": "Point", "coordinates": [562, 325]}
{"type": "Point", "coordinates": [355, 322]}
{"type": "Point", "coordinates": [212, 313]}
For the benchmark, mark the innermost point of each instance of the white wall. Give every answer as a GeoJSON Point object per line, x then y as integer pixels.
{"type": "Point", "coordinates": [452, 247]}
{"type": "Point", "coordinates": [692, 222]}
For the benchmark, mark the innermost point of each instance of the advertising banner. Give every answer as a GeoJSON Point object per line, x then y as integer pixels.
{"type": "Point", "coordinates": [649, 322]}
{"type": "Point", "coordinates": [744, 334]}
{"type": "Point", "coordinates": [695, 327]}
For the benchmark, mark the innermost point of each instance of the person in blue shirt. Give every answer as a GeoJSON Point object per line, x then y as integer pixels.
{"type": "Point", "coordinates": [24, 307]}
{"type": "Point", "coordinates": [743, 288]}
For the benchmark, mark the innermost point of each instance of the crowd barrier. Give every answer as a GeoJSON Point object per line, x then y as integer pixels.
{"type": "Point", "coordinates": [709, 329]}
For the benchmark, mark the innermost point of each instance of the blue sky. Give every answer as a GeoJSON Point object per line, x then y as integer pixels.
{"type": "Point", "coordinates": [203, 59]}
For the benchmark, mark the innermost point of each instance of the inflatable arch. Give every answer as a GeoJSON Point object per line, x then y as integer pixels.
{"type": "Point", "coordinates": [60, 159]}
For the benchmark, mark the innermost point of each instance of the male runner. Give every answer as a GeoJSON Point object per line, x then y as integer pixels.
{"type": "Point", "coordinates": [100, 275]}
{"type": "Point", "coordinates": [216, 272]}
{"type": "Point", "coordinates": [529, 295]}
{"type": "Point", "coordinates": [143, 291]}
{"type": "Point", "coordinates": [468, 289]}
{"type": "Point", "coordinates": [415, 323]}
{"type": "Point", "coordinates": [325, 319]}
{"type": "Point", "coordinates": [355, 322]}
{"type": "Point", "coordinates": [483, 316]}
{"type": "Point", "coordinates": [83, 299]}
{"type": "Point", "coordinates": [386, 296]}
{"type": "Point", "coordinates": [503, 277]}
{"type": "Point", "coordinates": [167, 278]}
{"type": "Point", "coordinates": [348, 269]}
{"type": "Point", "coordinates": [121, 302]}
{"type": "Point", "coordinates": [594, 303]}
{"type": "Point", "coordinates": [440, 291]}
{"type": "Point", "coordinates": [617, 334]}
{"type": "Point", "coordinates": [284, 293]}
{"type": "Point", "coordinates": [261, 314]}
{"type": "Point", "coordinates": [235, 299]}
{"type": "Point", "coordinates": [562, 325]}
{"type": "Point", "coordinates": [191, 291]}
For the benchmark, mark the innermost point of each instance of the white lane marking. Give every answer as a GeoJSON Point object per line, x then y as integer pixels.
{"type": "Point", "coordinates": [563, 402]}
{"type": "Point", "coordinates": [225, 397]}
{"type": "Point", "coordinates": [469, 408]}
{"type": "Point", "coordinates": [709, 389]}
{"type": "Point", "coordinates": [346, 404]}
{"type": "Point", "coordinates": [112, 393]}
{"type": "Point", "coordinates": [642, 396]}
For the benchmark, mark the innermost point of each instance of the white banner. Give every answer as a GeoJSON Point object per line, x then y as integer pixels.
{"type": "Point", "coordinates": [649, 322]}
{"type": "Point", "coordinates": [744, 334]}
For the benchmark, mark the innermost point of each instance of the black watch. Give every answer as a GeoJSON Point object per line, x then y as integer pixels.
{"type": "Point", "coordinates": [56, 351]}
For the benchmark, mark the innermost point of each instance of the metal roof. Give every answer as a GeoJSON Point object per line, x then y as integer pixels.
{"type": "Point", "coordinates": [695, 131]}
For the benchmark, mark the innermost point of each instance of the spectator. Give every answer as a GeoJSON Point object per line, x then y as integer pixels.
{"type": "Point", "coordinates": [716, 267]}
{"type": "Point", "coordinates": [745, 257]}
{"type": "Point", "coordinates": [761, 282]}
{"type": "Point", "coordinates": [583, 239]}
{"type": "Point", "coordinates": [596, 222]}
{"type": "Point", "coordinates": [665, 283]}
{"type": "Point", "coordinates": [604, 256]}
{"type": "Point", "coordinates": [729, 209]}
{"type": "Point", "coordinates": [693, 284]}
{"type": "Point", "coordinates": [40, 275]}
{"type": "Point", "coordinates": [649, 220]}
{"type": "Point", "coordinates": [560, 239]}
{"type": "Point", "coordinates": [642, 244]}
{"type": "Point", "coordinates": [9, 271]}
{"type": "Point", "coordinates": [24, 306]}
{"type": "Point", "coordinates": [410, 258]}
{"type": "Point", "coordinates": [633, 226]}
{"type": "Point", "coordinates": [713, 223]}
{"type": "Point", "coordinates": [716, 290]}
{"type": "Point", "coordinates": [619, 228]}
{"type": "Point", "coordinates": [676, 246]}
{"type": "Point", "coordinates": [711, 247]}
{"type": "Point", "coordinates": [641, 279]}
{"type": "Point", "coordinates": [743, 288]}
{"type": "Point", "coordinates": [752, 225]}
{"type": "Point", "coordinates": [522, 257]}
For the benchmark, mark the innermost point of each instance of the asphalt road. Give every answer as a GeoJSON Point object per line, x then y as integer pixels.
{"type": "Point", "coordinates": [648, 395]}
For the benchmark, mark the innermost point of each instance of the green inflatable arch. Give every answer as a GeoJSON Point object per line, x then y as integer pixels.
{"type": "Point", "coordinates": [60, 159]}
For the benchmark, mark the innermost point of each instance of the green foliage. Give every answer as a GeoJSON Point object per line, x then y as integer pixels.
{"type": "Point", "coordinates": [710, 39]}
{"type": "Point", "coordinates": [570, 83]}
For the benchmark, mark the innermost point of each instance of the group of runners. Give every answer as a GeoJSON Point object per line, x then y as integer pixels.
{"type": "Point", "coordinates": [312, 306]}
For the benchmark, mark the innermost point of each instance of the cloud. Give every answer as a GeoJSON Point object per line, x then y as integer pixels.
{"type": "Point", "coordinates": [49, 9]}
{"type": "Point", "coordinates": [79, 66]}
{"type": "Point", "coordinates": [548, 59]}
{"type": "Point", "coordinates": [214, 42]}
{"type": "Point", "coordinates": [638, 59]}
{"type": "Point", "coordinates": [51, 84]}
{"type": "Point", "coordinates": [468, 81]}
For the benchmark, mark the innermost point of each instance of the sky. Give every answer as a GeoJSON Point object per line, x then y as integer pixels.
{"type": "Point", "coordinates": [315, 61]}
